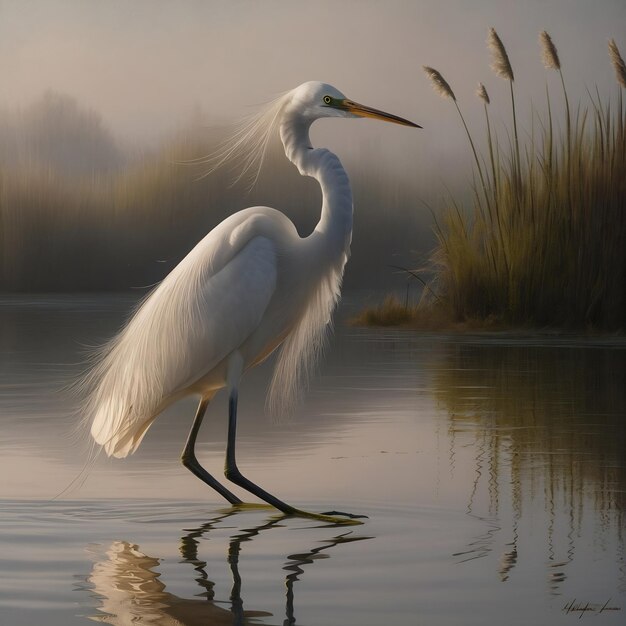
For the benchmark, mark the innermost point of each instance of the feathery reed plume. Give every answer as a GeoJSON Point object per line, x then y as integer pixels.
{"type": "Point", "coordinates": [440, 84]}
{"type": "Point", "coordinates": [500, 63]}
{"type": "Point", "coordinates": [550, 56]}
{"type": "Point", "coordinates": [618, 63]}
{"type": "Point", "coordinates": [502, 67]}
{"type": "Point", "coordinates": [481, 93]}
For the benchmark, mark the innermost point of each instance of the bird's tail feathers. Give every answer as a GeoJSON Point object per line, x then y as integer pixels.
{"type": "Point", "coordinates": [121, 396]}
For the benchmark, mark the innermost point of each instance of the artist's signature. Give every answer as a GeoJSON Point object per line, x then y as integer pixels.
{"type": "Point", "coordinates": [582, 608]}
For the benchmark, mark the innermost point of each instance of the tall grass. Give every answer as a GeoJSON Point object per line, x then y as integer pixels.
{"type": "Point", "coordinates": [545, 240]}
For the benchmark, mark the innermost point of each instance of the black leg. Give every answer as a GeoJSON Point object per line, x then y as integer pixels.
{"type": "Point", "coordinates": [233, 474]}
{"type": "Point", "coordinates": [191, 462]}
{"type": "Point", "coordinates": [232, 471]}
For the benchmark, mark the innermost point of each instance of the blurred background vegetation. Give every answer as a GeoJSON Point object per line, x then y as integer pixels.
{"type": "Point", "coordinates": [81, 212]}
{"type": "Point", "coordinates": [538, 238]}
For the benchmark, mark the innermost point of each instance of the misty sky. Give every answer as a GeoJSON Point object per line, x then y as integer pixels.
{"type": "Point", "coordinates": [146, 65]}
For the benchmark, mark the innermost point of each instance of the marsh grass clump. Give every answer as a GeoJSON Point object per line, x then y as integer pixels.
{"type": "Point", "coordinates": [390, 312]}
{"type": "Point", "coordinates": [429, 313]}
{"type": "Point", "coordinates": [544, 242]}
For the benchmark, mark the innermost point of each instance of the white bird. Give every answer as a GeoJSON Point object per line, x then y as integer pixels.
{"type": "Point", "coordinates": [250, 286]}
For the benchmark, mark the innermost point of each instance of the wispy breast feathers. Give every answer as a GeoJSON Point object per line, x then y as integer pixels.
{"type": "Point", "coordinates": [305, 344]}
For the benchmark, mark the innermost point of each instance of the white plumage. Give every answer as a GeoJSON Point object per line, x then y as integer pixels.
{"type": "Point", "coordinates": [249, 286]}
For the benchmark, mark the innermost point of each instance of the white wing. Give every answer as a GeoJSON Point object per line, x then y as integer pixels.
{"type": "Point", "coordinates": [206, 308]}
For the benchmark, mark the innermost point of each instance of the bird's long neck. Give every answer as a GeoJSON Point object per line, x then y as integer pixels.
{"type": "Point", "coordinates": [335, 224]}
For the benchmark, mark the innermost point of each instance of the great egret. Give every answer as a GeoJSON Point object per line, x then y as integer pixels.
{"type": "Point", "coordinates": [251, 285]}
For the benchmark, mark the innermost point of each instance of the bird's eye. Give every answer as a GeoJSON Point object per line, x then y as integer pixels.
{"type": "Point", "coordinates": [327, 99]}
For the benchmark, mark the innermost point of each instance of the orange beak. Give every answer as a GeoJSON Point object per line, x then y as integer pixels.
{"type": "Point", "coordinates": [363, 111]}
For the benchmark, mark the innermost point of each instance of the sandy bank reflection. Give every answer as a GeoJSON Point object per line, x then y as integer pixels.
{"type": "Point", "coordinates": [130, 591]}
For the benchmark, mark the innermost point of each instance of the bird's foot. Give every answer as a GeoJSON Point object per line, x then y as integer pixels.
{"type": "Point", "coordinates": [251, 506]}
{"type": "Point", "coordinates": [350, 515]}
{"type": "Point", "coordinates": [332, 517]}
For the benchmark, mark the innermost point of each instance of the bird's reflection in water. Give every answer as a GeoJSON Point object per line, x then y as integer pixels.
{"type": "Point", "coordinates": [130, 590]}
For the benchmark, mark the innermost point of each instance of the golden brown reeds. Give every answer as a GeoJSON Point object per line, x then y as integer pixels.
{"type": "Point", "coordinates": [618, 63]}
{"type": "Point", "coordinates": [391, 312]}
{"type": "Point", "coordinates": [544, 243]}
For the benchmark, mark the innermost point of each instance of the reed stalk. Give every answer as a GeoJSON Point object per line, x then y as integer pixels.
{"type": "Point", "coordinates": [550, 57]}
{"type": "Point", "coordinates": [441, 86]}
{"type": "Point", "coordinates": [501, 65]}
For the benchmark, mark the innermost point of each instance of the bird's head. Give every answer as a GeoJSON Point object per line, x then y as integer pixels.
{"type": "Point", "coordinates": [306, 103]}
{"type": "Point", "coordinates": [314, 100]}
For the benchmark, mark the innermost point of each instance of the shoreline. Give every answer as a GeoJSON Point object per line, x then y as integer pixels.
{"type": "Point", "coordinates": [391, 314]}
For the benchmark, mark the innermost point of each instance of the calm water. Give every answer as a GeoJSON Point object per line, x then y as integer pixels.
{"type": "Point", "coordinates": [492, 469]}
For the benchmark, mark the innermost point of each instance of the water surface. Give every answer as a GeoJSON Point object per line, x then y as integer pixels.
{"type": "Point", "coordinates": [492, 469]}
